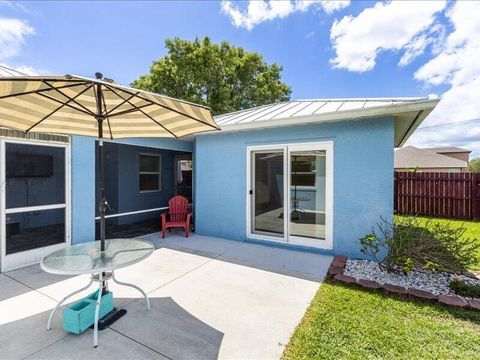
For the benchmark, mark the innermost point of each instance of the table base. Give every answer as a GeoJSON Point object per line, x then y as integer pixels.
{"type": "Point", "coordinates": [102, 279]}
{"type": "Point", "coordinates": [110, 318]}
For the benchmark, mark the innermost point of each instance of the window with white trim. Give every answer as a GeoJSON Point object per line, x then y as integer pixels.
{"type": "Point", "coordinates": [149, 178]}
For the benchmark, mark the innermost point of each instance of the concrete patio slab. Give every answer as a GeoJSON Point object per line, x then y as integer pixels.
{"type": "Point", "coordinates": [10, 288]}
{"type": "Point", "coordinates": [211, 298]}
{"type": "Point", "coordinates": [295, 263]}
{"type": "Point", "coordinates": [257, 310]}
{"type": "Point", "coordinates": [23, 319]}
{"type": "Point", "coordinates": [203, 245]}
{"type": "Point", "coordinates": [34, 277]}
{"type": "Point", "coordinates": [163, 266]}
{"type": "Point", "coordinates": [114, 346]}
{"type": "Point", "coordinates": [178, 333]}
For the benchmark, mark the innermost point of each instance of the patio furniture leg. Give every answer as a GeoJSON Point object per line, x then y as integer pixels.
{"type": "Point", "coordinates": [97, 310]}
{"type": "Point", "coordinates": [49, 324]}
{"type": "Point", "coordinates": [147, 301]}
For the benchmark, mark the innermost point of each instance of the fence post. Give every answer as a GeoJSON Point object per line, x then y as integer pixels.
{"type": "Point", "coordinates": [475, 194]}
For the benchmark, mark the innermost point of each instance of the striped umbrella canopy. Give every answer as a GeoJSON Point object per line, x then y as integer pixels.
{"type": "Point", "coordinates": [76, 105]}
{"type": "Point", "coordinates": [73, 104]}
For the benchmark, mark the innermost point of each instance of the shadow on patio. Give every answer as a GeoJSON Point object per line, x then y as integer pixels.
{"type": "Point", "coordinates": [210, 298]}
{"type": "Point", "coordinates": [166, 331]}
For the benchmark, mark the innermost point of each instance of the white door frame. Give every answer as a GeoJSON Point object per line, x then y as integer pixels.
{"type": "Point", "coordinates": [287, 148]}
{"type": "Point", "coordinates": [29, 257]}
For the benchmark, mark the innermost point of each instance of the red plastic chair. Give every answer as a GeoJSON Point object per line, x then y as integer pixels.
{"type": "Point", "coordinates": [179, 217]}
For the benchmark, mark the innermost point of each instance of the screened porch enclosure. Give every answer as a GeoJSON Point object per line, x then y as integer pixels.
{"type": "Point", "coordinates": [35, 195]}
{"type": "Point", "coordinates": [139, 181]}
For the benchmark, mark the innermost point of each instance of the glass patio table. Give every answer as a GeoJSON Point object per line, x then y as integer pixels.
{"type": "Point", "coordinates": [86, 258]}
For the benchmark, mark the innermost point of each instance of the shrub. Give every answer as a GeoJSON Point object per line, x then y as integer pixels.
{"type": "Point", "coordinates": [409, 242]}
{"type": "Point", "coordinates": [465, 289]}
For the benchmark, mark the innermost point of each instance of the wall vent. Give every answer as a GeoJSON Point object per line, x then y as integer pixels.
{"type": "Point", "coordinates": [33, 136]}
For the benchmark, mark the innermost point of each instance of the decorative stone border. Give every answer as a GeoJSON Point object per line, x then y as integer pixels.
{"type": "Point", "coordinates": [335, 272]}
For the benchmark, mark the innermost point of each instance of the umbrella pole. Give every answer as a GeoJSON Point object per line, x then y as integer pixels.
{"type": "Point", "coordinates": [102, 206]}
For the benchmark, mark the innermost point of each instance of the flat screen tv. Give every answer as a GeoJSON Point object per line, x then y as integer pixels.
{"type": "Point", "coordinates": [21, 165]}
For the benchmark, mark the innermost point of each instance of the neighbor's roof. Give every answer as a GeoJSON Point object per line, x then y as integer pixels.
{"type": "Point", "coordinates": [6, 71]}
{"type": "Point", "coordinates": [408, 113]}
{"type": "Point", "coordinates": [411, 157]}
{"type": "Point", "coordinates": [448, 150]}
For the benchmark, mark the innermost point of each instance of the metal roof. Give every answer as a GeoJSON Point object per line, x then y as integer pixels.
{"type": "Point", "coordinates": [411, 157]}
{"type": "Point", "coordinates": [408, 113]}
{"type": "Point", "coordinates": [307, 107]}
{"type": "Point", "coordinates": [448, 150]}
{"type": "Point", "coordinates": [6, 71]}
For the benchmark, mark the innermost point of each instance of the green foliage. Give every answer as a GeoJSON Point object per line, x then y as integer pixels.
{"type": "Point", "coordinates": [474, 165]}
{"type": "Point", "coordinates": [472, 231]}
{"type": "Point", "coordinates": [349, 323]}
{"type": "Point", "coordinates": [411, 242]}
{"type": "Point", "coordinates": [465, 289]}
{"type": "Point", "coordinates": [225, 77]}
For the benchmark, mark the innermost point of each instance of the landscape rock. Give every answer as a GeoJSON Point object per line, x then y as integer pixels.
{"type": "Point", "coordinates": [339, 264]}
{"type": "Point", "coordinates": [422, 294]}
{"type": "Point", "coordinates": [394, 289]}
{"type": "Point", "coordinates": [368, 284]}
{"type": "Point", "coordinates": [332, 271]}
{"type": "Point", "coordinates": [436, 282]}
{"type": "Point", "coordinates": [474, 304]}
{"type": "Point", "coordinates": [452, 300]}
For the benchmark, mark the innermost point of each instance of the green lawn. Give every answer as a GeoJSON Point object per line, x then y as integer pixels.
{"type": "Point", "coordinates": [472, 229]}
{"type": "Point", "coordinates": [350, 323]}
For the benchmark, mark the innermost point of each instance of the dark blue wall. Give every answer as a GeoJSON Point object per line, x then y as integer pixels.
{"type": "Point", "coordinates": [122, 181]}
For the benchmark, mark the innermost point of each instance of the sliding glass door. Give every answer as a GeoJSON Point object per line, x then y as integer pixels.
{"type": "Point", "coordinates": [291, 193]}
{"type": "Point", "coordinates": [267, 205]}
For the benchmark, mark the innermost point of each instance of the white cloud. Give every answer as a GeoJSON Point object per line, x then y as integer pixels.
{"type": "Point", "coordinates": [457, 64]}
{"type": "Point", "coordinates": [12, 36]}
{"type": "Point", "coordinates": [310, 34]}
{"type": "Point", "coordinates": [434, 35]}
{"type": "Point", "coordinates": [386, 26]}
{"type": "Point", "coordinates": [16, 6]}
{"type": "Point", "coordinates": [259, 11]}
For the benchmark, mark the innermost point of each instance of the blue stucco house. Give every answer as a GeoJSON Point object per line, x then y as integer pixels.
{"type": "Point", "coordinates": [314, 175]}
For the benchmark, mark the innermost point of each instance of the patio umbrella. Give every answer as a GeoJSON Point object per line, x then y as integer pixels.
{"type": "Point", "coordinates": [98, 107]}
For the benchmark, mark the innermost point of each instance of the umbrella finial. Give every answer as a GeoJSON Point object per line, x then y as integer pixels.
{"type": "Point", "coordinates": [98, 75]}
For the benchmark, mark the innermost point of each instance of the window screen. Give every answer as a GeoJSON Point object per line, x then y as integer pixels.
{"type": "Point", "coordinates": [149, 172]}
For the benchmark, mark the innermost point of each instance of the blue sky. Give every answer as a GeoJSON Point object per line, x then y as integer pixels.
{"type": "Point", "coordinates": [327, 50]}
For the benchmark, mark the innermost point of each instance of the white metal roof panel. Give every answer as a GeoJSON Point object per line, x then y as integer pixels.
{"type": "Point", "coordinates": [311, 108]}
{"type": "Point", "coordinates": [408, 113]}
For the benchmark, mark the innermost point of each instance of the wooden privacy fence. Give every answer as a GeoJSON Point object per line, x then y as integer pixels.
{"type": "Point", "coordinates": [451, 195]}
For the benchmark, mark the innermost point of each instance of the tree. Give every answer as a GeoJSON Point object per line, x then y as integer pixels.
{"type": "Point", "coordinates": [222, 76]}
{"type": "Point", "coordinates": [474, 165]}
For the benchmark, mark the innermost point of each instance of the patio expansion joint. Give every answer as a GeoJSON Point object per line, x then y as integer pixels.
{"type": "Point", "coordinates": [141, 344]}
{"type": "Point", "coordinates": [31, 288]}
{"type": "Point", "coordinates": [45, 347]}
{"type": "Point", "coordinates": [41, 293]}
